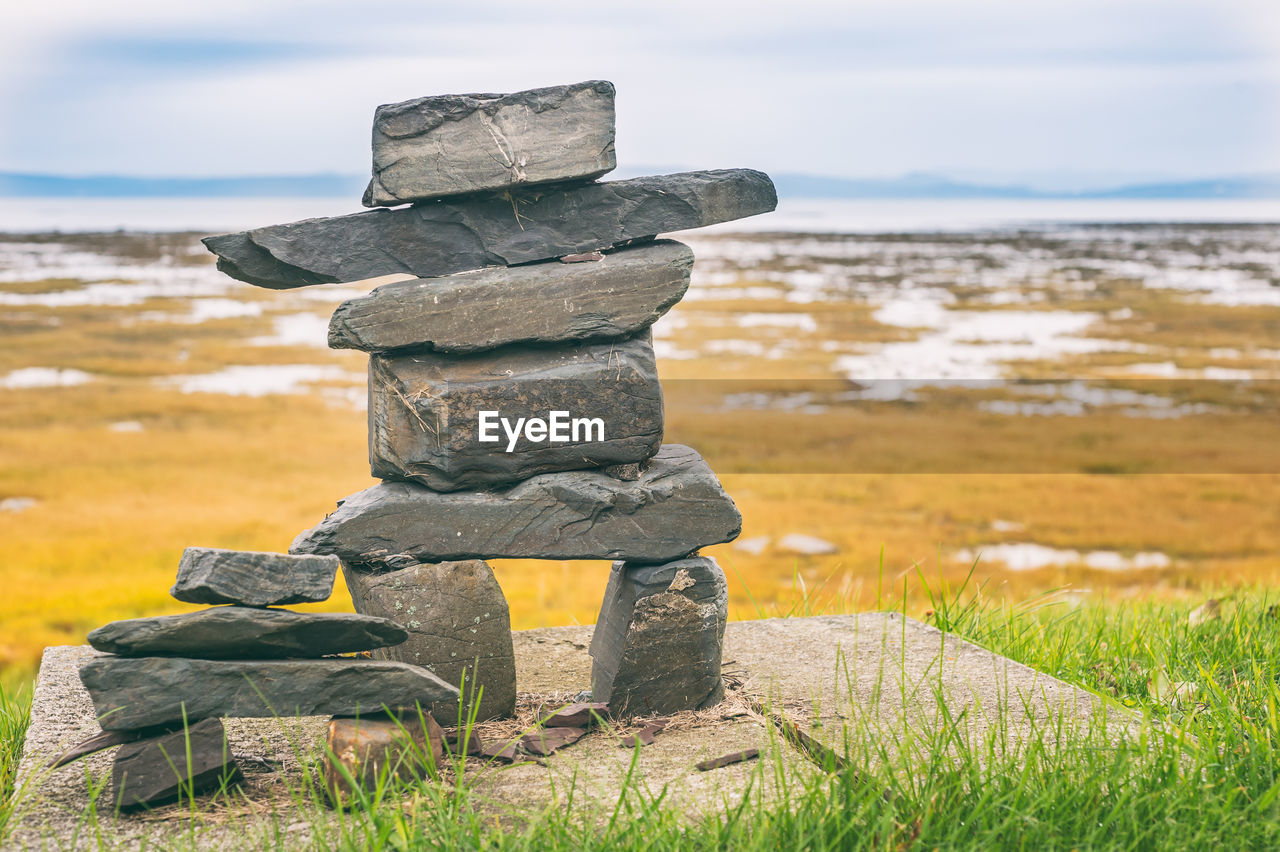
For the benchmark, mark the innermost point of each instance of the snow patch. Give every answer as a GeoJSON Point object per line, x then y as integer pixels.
{"type": "Point", "coordinates": [1026, 556]}
{"type": "Point", "coordinates": [260, 380]}
{"type": "Point", "coordinates": [44, 377]}
{"type": "Point", "coordinates": [297, 330]}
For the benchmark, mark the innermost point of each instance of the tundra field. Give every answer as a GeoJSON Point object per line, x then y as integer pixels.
{"type": "Point", "coordinates": [1086, 409]}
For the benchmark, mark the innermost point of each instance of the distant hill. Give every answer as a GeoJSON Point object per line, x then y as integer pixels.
{"type": "Point", "coordinates": [940, 187]}
{"type": "Point", "coordinates": [1259, 186]}
{"type": "Point", "coordinates": [912, 186]}
{"type": "Point", "coordinates": [908, 186]}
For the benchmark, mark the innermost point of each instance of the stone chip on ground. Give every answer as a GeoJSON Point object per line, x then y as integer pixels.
{"type": "Point", "coordinates": [501, 752]}
{"type": "Point", "coordinates": [645, 736]}
{"type": "Point", "coordinates": [186, 762]}
{"type": "Point", "coordinates": [210, 575]}
{"type": "Point", "coordinates": [135, 692]}
{"type": "Point", "coordinates": [445, 145]}
{"type": "Point", "coordinates": [425, 409]}
{"type": "Point", "coordinates": [246, 633]}
{"type": "Point", "coordinates": [728, 759]}
{"type": "Point", "coordinates": [676, 506]}
{"type": "Point", "coordinates": [457, 619]}
{"type": "Point", "coordinates": [581, 714]}
{"type": "Point", "coordinates": [448, 236]}
{"type": "Point", "coordinates": [545, 741]}
{"type": "Point", "coordinates": [622, 294]}
{"type": "Point", "coordinates": [657, 645]}
{"type": "Point", "coordinates": [459, 739]}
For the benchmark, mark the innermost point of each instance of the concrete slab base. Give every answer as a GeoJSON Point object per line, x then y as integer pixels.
{"type": "Point", "coordinates": [874, 680]}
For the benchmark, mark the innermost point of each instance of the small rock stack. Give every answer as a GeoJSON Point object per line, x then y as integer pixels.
{"type": "Point", "coordinates": [514, 404]}
{"type": "Point", "coordinates": [169, 679]}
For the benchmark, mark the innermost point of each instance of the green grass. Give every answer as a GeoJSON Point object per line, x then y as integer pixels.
{"type": "Point", "coordinates": [1205, 773]}
{"type": "Point", "coordinates": [15, 715]}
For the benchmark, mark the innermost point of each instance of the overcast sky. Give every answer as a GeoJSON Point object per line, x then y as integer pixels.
{"type": "Point", "coordinates": [1088, 90]}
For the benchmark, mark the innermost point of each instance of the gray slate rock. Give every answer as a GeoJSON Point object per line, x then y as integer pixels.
{"type": "Point", "coordinates": [454, 144]}
{"type": "Point", "coordinates": [209, 575]}
{"type": "Point", "coordinates": [457, 619]}
{"type": "Point", "coordinates": [241, 632]}
{"type": "Point", "coordinates": [621, 294]}
{"type": "Point", "coordinates": [135, 692]}
{"type": "Point", "coordinates": [444, 237]}
{"type": "Point", "coordinates": [676, 506]}
{"type": "Point", "coordinates": [186, 762]}
{"type": "Point", "coordinates": [424, 412]}
{"type": "Point", "coordinates": [659, 639]}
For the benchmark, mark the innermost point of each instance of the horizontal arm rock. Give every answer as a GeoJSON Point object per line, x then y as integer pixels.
{"type": "Point", "coordinates": [676, 506]}
{"type": "Point", "coordinates": [448, 236]}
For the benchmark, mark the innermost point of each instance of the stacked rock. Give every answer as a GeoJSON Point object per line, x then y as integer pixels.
{"type": "Point", "coordinates": [514, 404]}
{"type": "Point", "coordinates": [167, 680]}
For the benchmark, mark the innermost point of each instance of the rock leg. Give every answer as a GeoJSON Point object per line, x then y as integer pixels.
{"type": "Point", "coordinates": [658, 641]}
{"type": "Point", "coordinates": [458, 623]}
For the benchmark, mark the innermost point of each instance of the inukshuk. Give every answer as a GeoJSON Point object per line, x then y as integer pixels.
{"type": "Point", "coordinates": [514, 404]}
{"type": "Point", "coordinates": [165, 682]}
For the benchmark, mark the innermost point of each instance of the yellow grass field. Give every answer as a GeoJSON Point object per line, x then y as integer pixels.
{"type": "Point", "coordinates": [125, 469]}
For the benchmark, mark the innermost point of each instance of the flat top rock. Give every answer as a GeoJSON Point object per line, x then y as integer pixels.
{"type": "Point", "coordinates": [617, 296]}
{"type": "Point", "coordinates": [240, 632]}
{"type": "Point", "coordinates": [211, 575]}
{"type": "Point", "coordinates": [449, 144]}
{"type": "Point", "coordinates": [676, 506]}
{"type": "Point", "coordinates": [447, 236]}
{"type": "Point", "coordinates": [554, 662]}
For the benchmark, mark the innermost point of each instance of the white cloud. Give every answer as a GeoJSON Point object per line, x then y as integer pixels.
{"type": "Point", "coordinates": [868, 87]}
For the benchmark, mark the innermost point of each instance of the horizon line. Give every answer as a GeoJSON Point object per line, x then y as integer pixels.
{"type": "Point", "coordinates": [911, 185]}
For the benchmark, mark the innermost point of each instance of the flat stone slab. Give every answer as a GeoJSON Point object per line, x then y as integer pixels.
{"type": "Point", "coordinates": [448, 236]}
{"type": "Point", "coordinates": [241, 632]}
{"type": "Point", "coordinates": [452, 144]}
{"type": "Point", "coordinates": [875, 673]}
{"type": "Point", "coordinates": [480, 421]}
{"type": "Point", "coordinates": [211, 575]}
{"type": "Point", "coordinates": [910, 660]}
{"type": "Point", "coordinates": [870, 681]}
{"type": "Point", "coordinates": [618, 296]}
{"type": "Point", "coordinates": [458, 625]}
{"type": "Point", "coordinates": [137, 692]}
{"type": "Point", "coordinates": [676, 506]}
